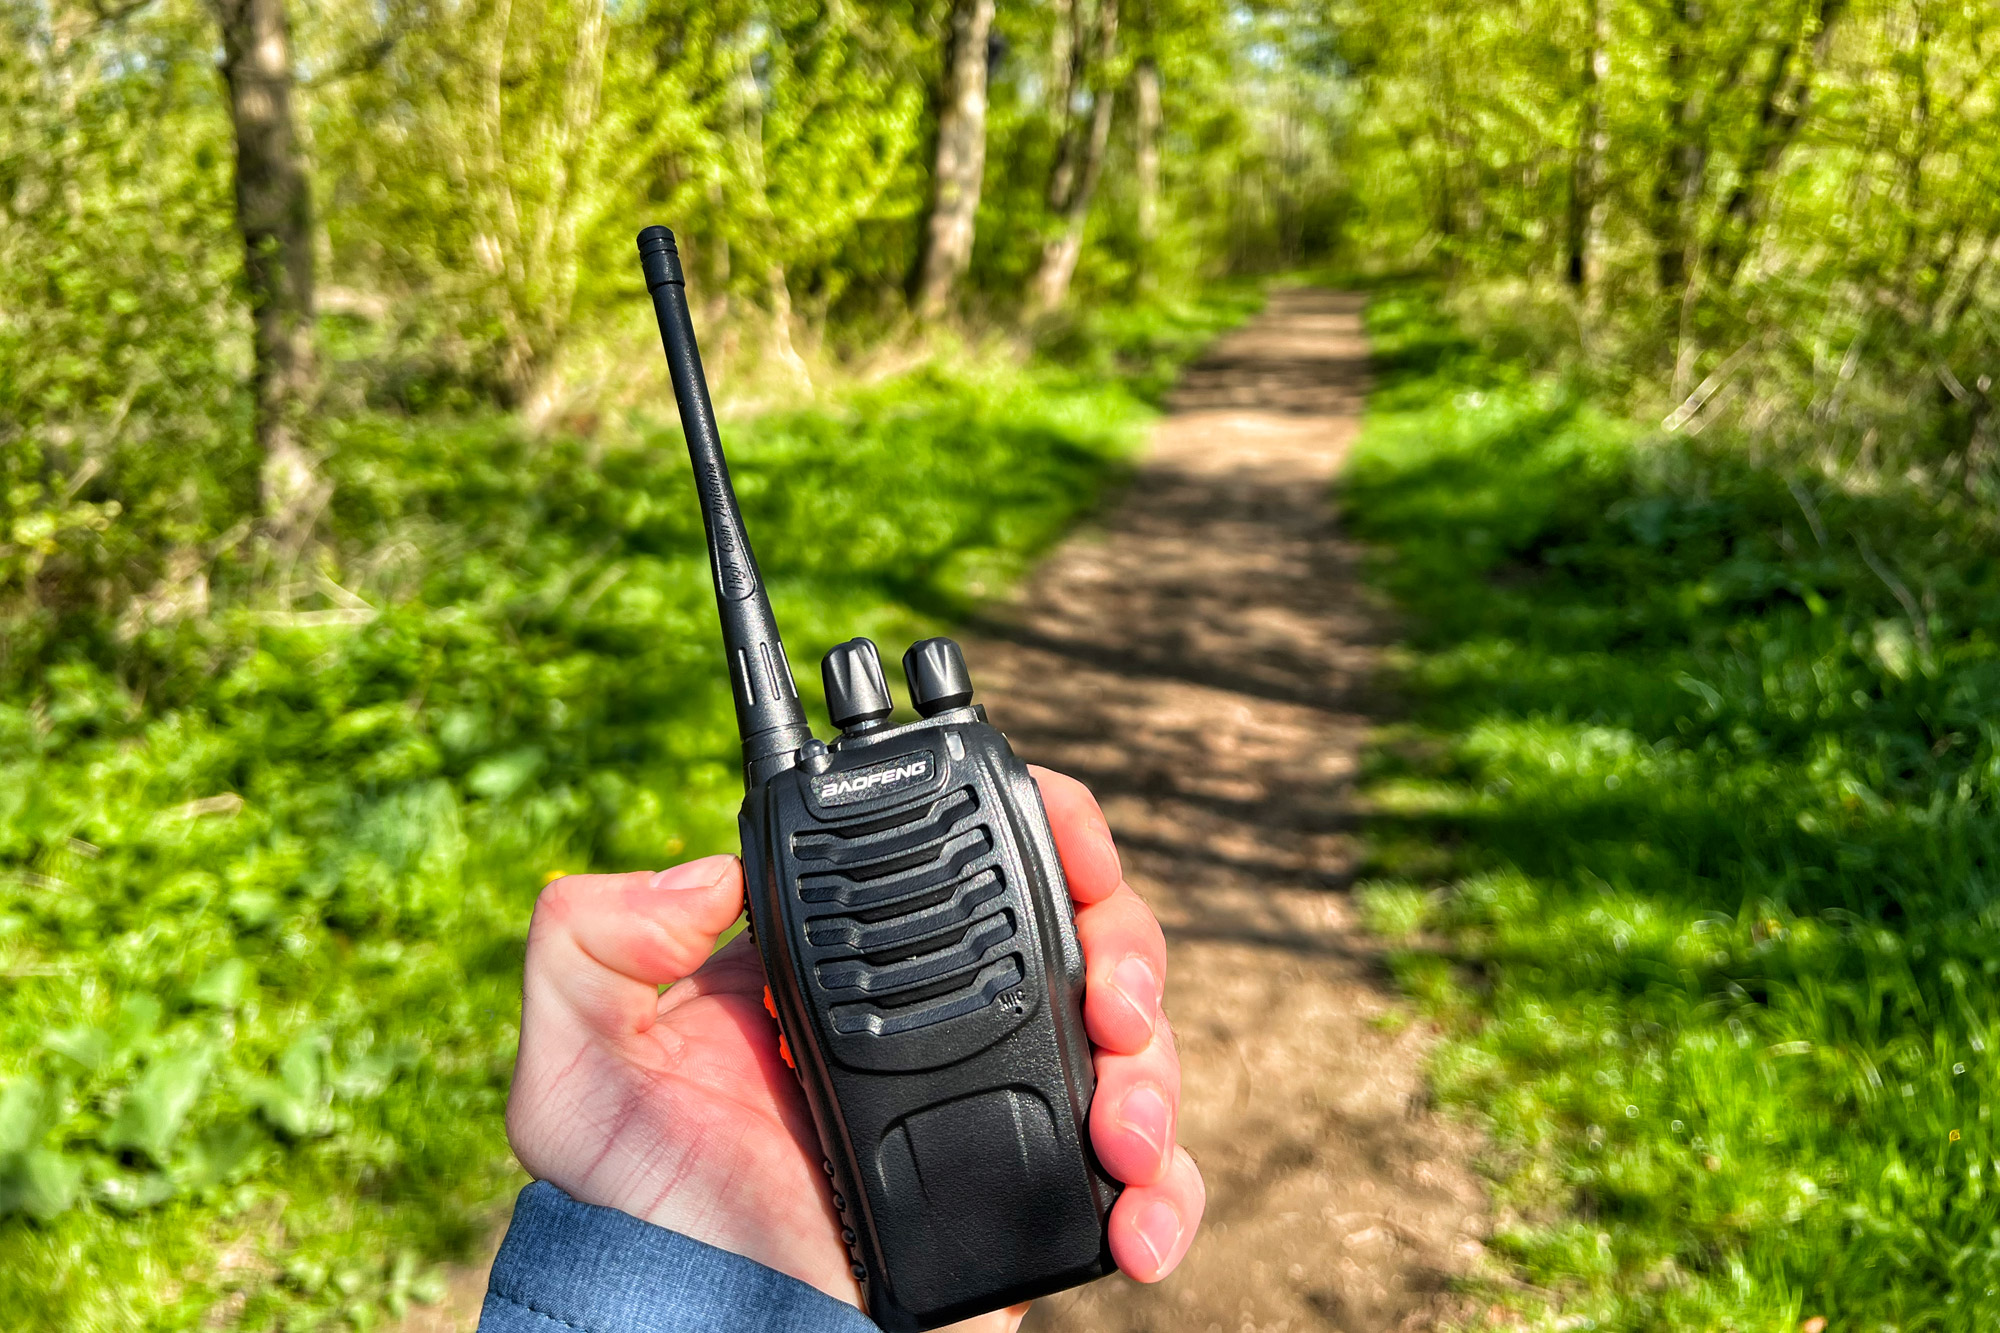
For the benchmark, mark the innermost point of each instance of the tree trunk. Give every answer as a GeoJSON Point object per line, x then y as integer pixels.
{"type": "Point", "coordinates": [1588, 165]}
{"type": "Point", "coordinates": [274, 215]}
{"type": "Point", "coordinates": [1060, 253]}
{"type": "Point", "coordinates": [1066, 71]}
{"type": "Point", "coordinates": [1681, 175]}
{"type": "Point", "coordinates": [961, 158]}
{"type": "Point", "coordinates": [1781, 111]}
{"type": "Point", "coordinates": [1146, 153]}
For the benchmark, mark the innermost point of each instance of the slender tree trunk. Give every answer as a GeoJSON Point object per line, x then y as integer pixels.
{"type": "Point", "coordinates": [1781, 111]}
{"type": "Point", "coordinates": [1681, 175]}
{"type": "Point", "coordinates": [1066, 71]}
{"type": "Point", "coordinates": [274, 215]}
{"type": "Point", "coordinates": [1588, 165]}
{"type": "Point", "coordinates": [1059, 256]}
{"type": "Point", "coordinates": [961, 158]}
{"type": "Point", "coordinates": [1146, 152]}
{"type": "Point", "coordinates": [1061, 252]}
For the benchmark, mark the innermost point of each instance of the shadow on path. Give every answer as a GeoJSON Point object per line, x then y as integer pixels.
{"type": "Point", "coordinates": [1202, 659]}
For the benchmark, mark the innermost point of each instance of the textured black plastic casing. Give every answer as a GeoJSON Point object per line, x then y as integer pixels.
{"type": "Point", "coordinates": [916, 929]}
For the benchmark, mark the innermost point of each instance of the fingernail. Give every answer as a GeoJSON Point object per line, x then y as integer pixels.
{"type": "Point", "coordinates": [1159, 1228]}
{"type": "Point", "coordinates": [1133, 979]}
{"type": "Point", "coordinates": [1145, 1112]}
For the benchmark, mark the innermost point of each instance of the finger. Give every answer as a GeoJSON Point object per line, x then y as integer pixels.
{"type": "Point", "coordinates": [1083, 838]}
{"type": "Point", "coordinates": [1153, 1225]}
{"type": "Point", "coordinates": [1125, 960]}
{"type": "Point", "coordinates": [999, 1321]}
{"type": "Point", "coordinates": [1136, 1110]}
{"type": "Point", "coordinates": [605, 944]}
{"type": "Point", "coordinates": [734, 969]}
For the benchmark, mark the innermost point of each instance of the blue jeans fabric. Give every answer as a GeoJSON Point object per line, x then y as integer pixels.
{"type": "Point", "coordinates": [569, 1266]}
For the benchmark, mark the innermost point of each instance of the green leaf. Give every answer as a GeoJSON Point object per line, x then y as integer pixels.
{"type": "Point", "coordinates": [133, 1193]}
{"type": "Point", "coordinates": [255, 908]}
{"type": "Point", "coordinates": [156, 1107]}
{"type": "Point", "coordinates": [138, 1020]}
{"type": "Point", "coordinates": [221, 1154]}
{"type": "Point", "coordinates": [295, 1101]}
{"type": "Point", "coordinates": [1895, 648]}
{"type": "Point", "coordinates": [88, 1046]}
{"type": "Point", "coordinates": [222, 986]}
{"type": "Point", "coordinates": [503, 775]}
{"type": "Point", "coordinates": [46, 1183]}
{"type": "Point", "coordinates": [21, 1103]}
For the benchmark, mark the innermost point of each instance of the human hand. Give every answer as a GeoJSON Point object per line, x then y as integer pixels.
{"type": "Point", "coordinates": [676, 1108]}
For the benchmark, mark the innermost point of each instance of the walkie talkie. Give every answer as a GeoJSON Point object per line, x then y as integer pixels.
{"type": "Point", "coordinates": [916, 931]}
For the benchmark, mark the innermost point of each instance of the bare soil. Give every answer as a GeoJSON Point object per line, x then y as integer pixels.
{"type": "Point", "coordinates": [1202, 658]}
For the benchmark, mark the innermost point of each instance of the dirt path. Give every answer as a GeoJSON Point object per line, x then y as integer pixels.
{"type": "Point", "coordinates": [1202, 661]}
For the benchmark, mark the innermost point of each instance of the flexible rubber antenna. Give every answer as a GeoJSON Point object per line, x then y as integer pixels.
{"type": "Point", "coordinates": [768, 714]}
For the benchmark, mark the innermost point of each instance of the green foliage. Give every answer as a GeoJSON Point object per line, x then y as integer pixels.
{"type": "Point", "coordinates": [1692, 841]}
{"type": "Point", "coordinates": [1778, 218]}
{"type": "Point", "coordinates": [477, 173]}
{"type": "Point", "coordinates": [264, 876]}
{"type": "Point", "coordinates": [123, 427]}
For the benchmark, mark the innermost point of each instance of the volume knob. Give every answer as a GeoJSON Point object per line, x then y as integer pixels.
{"type": "Point", "coordinates": [938, 679]}
{"type": "Point", "coordinates": [857, 694]}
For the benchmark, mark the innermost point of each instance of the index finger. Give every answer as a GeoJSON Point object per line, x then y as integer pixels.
{"type": "Point", "coordinates": [1083, 838]}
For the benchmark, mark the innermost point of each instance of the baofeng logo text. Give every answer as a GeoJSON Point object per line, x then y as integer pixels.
{"type": "Point", "coordinates": [847, 788]}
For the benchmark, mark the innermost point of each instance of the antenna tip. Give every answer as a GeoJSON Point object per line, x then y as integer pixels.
{"type": "Point", "coordinates": [659, 257]}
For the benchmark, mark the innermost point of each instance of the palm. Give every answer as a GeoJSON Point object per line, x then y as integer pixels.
{"type": "Point", "coordinates": [696, 1107]}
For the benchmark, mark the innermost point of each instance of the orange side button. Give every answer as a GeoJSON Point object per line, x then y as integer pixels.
{"type": "Point", "coordinates": [784, 1047]}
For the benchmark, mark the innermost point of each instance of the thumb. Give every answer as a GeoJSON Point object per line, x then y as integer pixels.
{"type": "Point", "coordinates": [603, 945]}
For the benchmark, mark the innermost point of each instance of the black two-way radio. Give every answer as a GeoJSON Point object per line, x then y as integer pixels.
{"type": "Point", "coordinates": [916, 931]}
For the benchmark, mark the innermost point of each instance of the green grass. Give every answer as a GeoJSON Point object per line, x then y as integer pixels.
{"type": "Point", "coordinates": [1692, 840]}
{"type": "Point", "coordinates": [264, 880]}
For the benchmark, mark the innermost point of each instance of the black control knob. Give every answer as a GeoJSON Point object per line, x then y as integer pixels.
{"type": "Point", "coordinates": [857, 694]}
{"type": "Point", "coordinates": [935, 669]}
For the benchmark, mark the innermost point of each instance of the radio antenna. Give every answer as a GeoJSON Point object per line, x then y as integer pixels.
{"type": "Point", "coordinates": [768, 715]}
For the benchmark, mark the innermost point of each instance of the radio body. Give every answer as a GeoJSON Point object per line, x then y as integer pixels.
{"type": "Point", "coordinates": [907, 900]}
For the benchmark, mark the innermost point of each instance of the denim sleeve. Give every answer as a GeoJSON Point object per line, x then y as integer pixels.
{"type": "Point", "coordinates": [574, 1266]}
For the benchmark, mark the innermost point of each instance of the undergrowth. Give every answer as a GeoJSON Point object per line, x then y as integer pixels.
{"type": "Point", "coordinates": [265, 871]}
{"type": "Point", "coordinates": [1692, 841]}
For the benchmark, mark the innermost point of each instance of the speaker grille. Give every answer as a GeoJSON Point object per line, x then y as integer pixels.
{"type": "Point", "coordinates": [916, 925]}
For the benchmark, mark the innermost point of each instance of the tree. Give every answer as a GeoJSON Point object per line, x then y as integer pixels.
{"type": "Point", "coordinates": [1079, 160]}
{"type": "Point", "coordinates": [961, 158]}
{"type": "Point", "coordinates": [274, 216]}
{"type": "Point", "coordinates": [1146, 147]}
{"type": "Point", "coordinates": [1585, 213]}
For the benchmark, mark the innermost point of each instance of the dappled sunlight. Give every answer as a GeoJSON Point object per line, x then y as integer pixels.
{"type": "Point", "coordinates": [1695, 847]}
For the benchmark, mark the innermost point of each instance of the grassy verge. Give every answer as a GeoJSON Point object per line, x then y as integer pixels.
{"type": "Point", "coordinates": [265, 872]}
{"type": "Point", "coordinates": [1693, 841]}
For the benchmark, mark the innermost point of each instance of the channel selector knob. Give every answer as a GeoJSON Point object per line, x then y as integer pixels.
{"type": "Point", "coordinates": [857, 694]}
{"type": "Point", "coordinates": [935, 669]}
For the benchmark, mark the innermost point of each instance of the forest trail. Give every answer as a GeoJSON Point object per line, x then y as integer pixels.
{"type": "Point", "coordinates": [1203, 659]}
